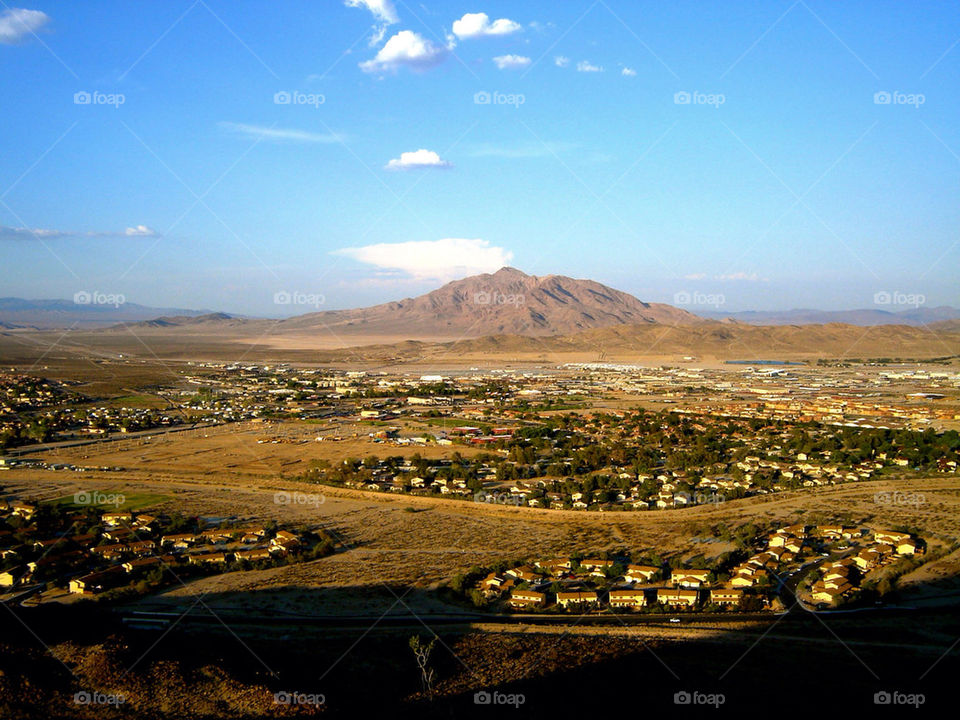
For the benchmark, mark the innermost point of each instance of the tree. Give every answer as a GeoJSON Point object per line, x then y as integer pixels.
{"type": "Point", "coordinates": [422, 653]}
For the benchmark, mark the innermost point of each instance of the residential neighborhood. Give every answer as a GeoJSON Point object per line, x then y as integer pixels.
{"type": "Point", "coordinates": [833, 561]}
{"type": "Point", "coordinates": [51, 550]}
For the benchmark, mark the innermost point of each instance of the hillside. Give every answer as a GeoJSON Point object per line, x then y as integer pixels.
{"type": "Point", "coordinates": [864, 317]}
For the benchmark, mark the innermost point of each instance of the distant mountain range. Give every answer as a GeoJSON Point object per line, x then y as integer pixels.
{"type": "Point", "coordinates": [507, 303]}
{"type": "Point", "coordinates": [866, 317]}
{"type": "Point", "coordinates": [49, 314]}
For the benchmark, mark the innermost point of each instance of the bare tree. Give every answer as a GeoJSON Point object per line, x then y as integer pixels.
{"type": "Point", "coordinates": [421, 652]}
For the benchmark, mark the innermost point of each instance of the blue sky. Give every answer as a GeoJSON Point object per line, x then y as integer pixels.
{"type": "Point", "coordinates": [770, 154]}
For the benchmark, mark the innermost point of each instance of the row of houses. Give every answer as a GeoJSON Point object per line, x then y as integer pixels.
{"type": "Point", "coordinates": [624, 598]}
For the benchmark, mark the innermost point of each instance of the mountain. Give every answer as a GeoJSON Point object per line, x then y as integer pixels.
{"type": "Point", "coordinates": [864, 317]}
{"type": "Point", "coordinates": [217, 319]}
{"type": "Point", "coordinates": [506, 302]}
{"type": "Point", "coordinates": [47, 314]}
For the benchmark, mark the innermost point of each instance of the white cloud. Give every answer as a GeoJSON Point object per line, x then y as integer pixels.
{"type": "Point", "coordinates": [474, 25]}
{"type": "Point", "coordinates": [561, 61]}
{"type": "Point", "coordinates": [444, 259]}
{"type": "Point", "coordinates": [587, 66]}
{"type": "Point", "coordinates": [417, 159]}
{"type": "Point", "coordinates": [628, 72]}
{"type": "Point", "coordinates": [405, 49]}
{"type": "Point", "coordinates": [22, 233]}
{"type": "Point", "coordinates": [382, 10]}
{"type": "Point", "coordinates": [140, 231]}
{"type": "Point", "coordinates": [384, 13]}
{"type": "Point", "coordinates": [16, 23]}
{"type": "Point", "coordinates": [281, 134]}
{"type": "Point", "coordinates": [511, 62]}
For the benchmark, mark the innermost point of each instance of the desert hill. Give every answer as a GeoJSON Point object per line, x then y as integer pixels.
{"type": "Point", "coordinates": [505, 302]}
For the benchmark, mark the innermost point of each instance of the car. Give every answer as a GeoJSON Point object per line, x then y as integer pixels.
{"type": "Point", "coordinates": [674, 620]}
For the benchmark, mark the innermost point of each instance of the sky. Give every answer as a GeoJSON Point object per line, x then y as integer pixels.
{"type": "Point", "coordinates": [272, 158]}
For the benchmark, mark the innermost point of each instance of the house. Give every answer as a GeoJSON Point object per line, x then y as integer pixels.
{"type": "Point", "coordinates": [23, 509]}
{"type": "Point", "coordinates": [148, 562]}
{"type": "Point", "coordinates": [906, 547]}
{"type": "Point", "coordinates": [145, 521]}
{"type": "Point", "coordinates": [577, 598]}
{"type": "Point", "coordinates": [10, 578]}
{"type": "Point", "coordinates": [524, 573]}
{"type": "Point", "coordinates": [689, 578]}
{"type": "Point", "coordinates": [628, 599]}
{"type": "Point", "coordinates": [113, 519]}
{"type": "Point", "coordinates": [253, 555]}
{"type": "Point", "coordinates": [641, 573]}
{"type": "Point", "coordinates": [779, 539]}
{"type": "Point", "coordinates": [867, 559]}
{"type": "Point", "coordinates": [726, 596]}
{"type": "Point", "coordinates": [749, 580]}
{"type": "Point", "coordinates": [830, 596]}
{"type": "Point", "coordinates": [556, 567]}
{"type": "Point", "coordinates": [212, 558]}
{"type": "Point", "coordinates": [492, 582]}
{"type": "Point", "coordinates": [95, 582]}
{"type": "Point", "coordinates": [794, 545]}
{"type": "Point", "coordinates": [181, 540]}
{"type": "Point", "coordinates": [836, 583]}
{"type": "Point", "coordinates": [675, 596]}
{"type": "Point", "coordinates": [140, 548]}
{"type": "Point", "coordinates": [216, 536]}
{"type": "Point", "coordinates": [595, 564]}
{"type": "Point", "coordinates": [109, 552]}
{"type": "Point", "coordinates": [527, 598]}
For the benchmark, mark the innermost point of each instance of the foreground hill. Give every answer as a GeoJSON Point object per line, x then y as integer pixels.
{"type": "Point", "coordinates": [705, 340]}
{"type": "Point", "coordinates": [507, 301]}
